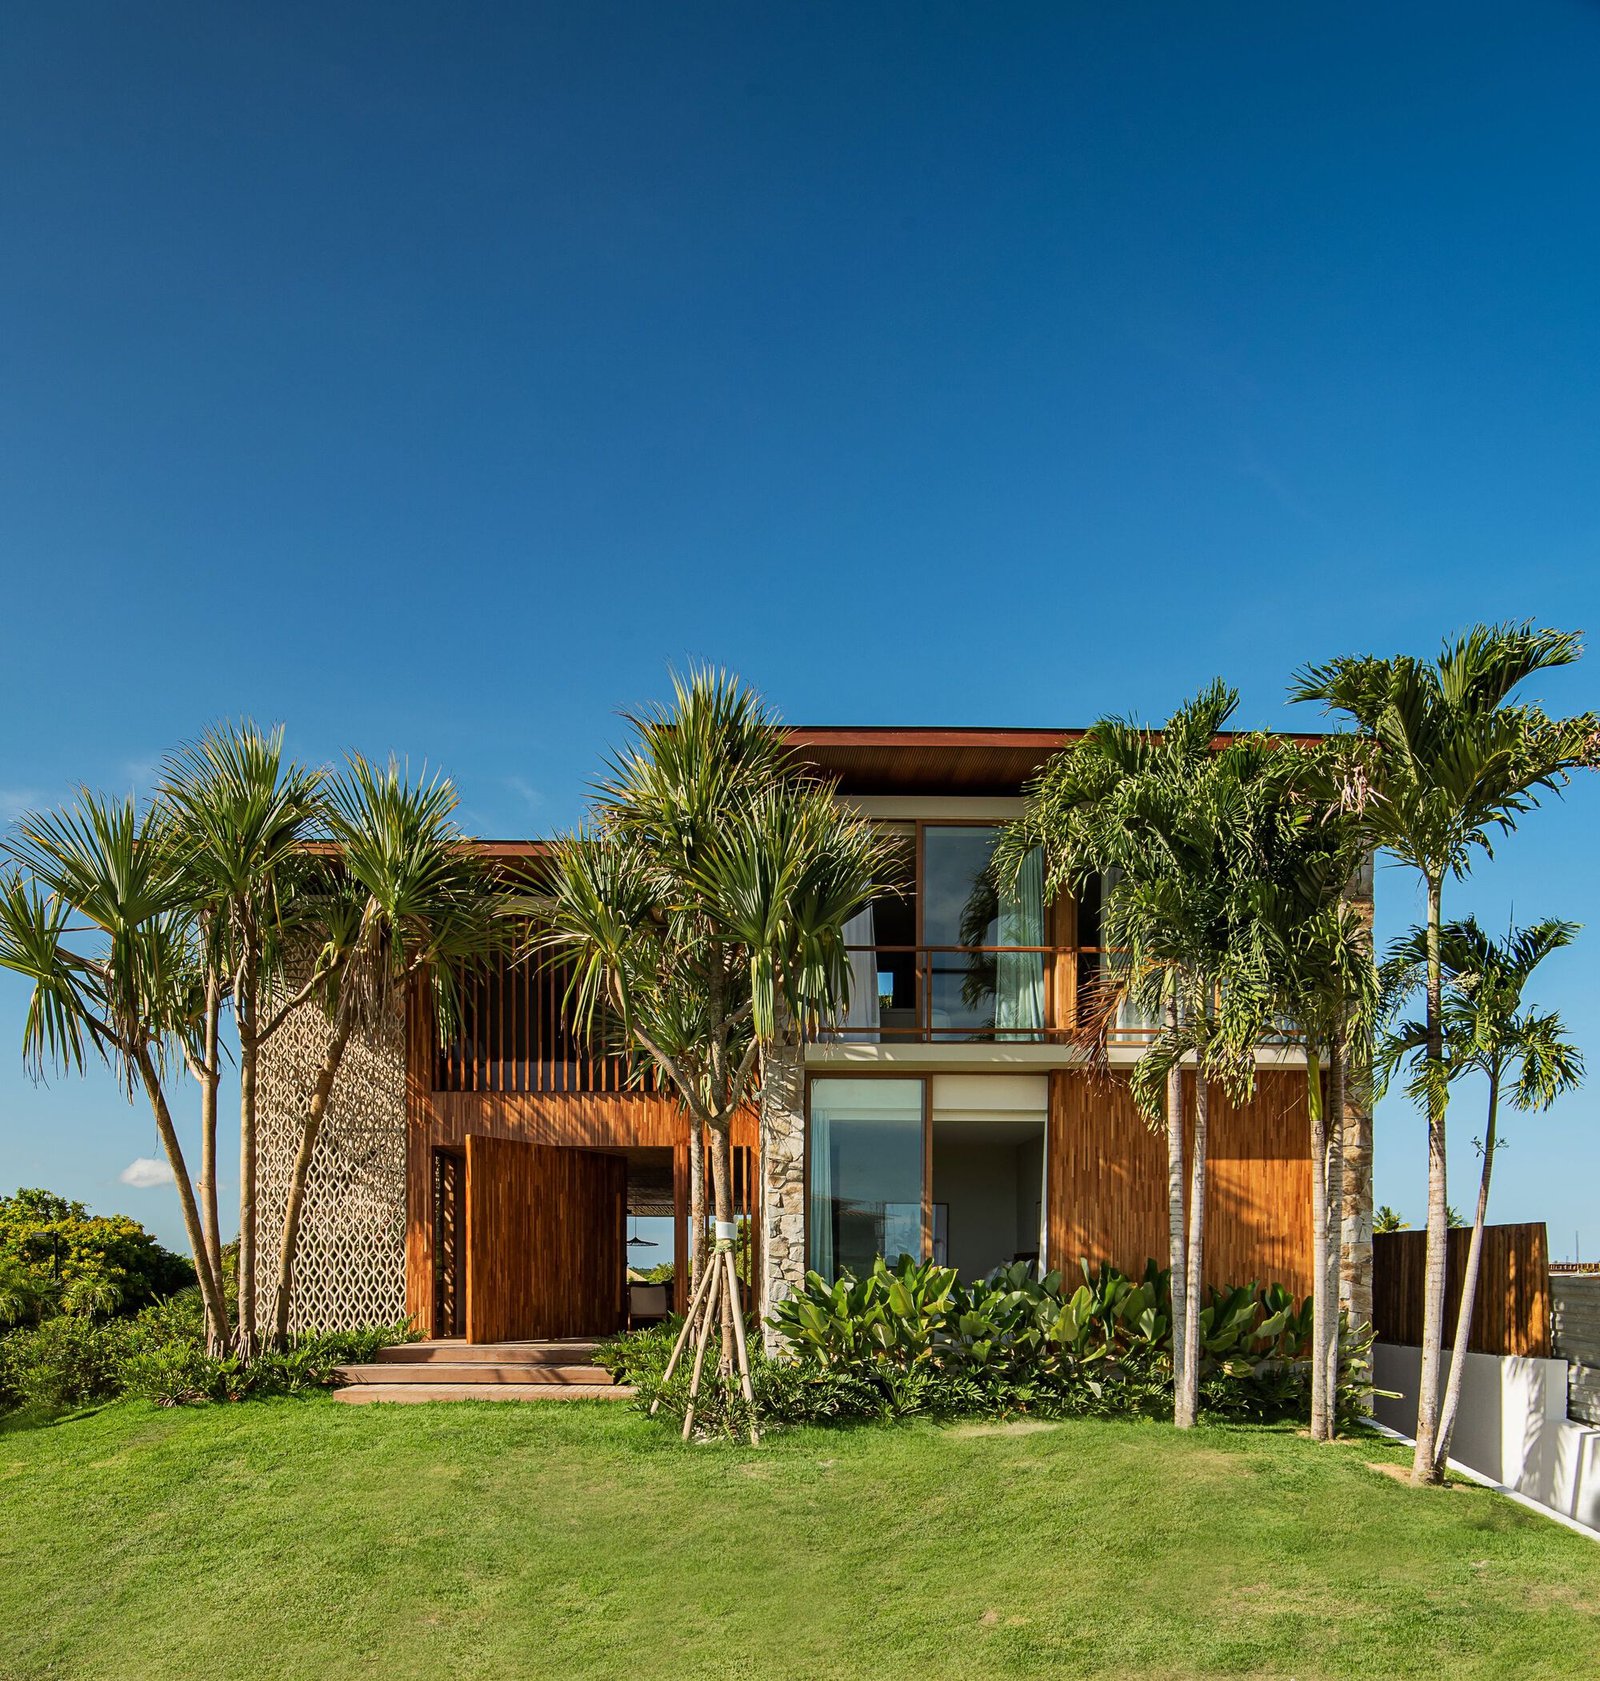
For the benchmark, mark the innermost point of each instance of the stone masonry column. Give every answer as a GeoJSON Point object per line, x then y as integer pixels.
{"type": "Point", "coordinates": [783, 1180]}
{"type": "Point", "coordinates": [1355, 1255]}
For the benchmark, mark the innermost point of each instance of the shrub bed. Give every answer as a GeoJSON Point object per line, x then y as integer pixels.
{"type": "Point", "coordinates": [73, 1361]}
{"type": "Point", "coordinates": [913, 1339]}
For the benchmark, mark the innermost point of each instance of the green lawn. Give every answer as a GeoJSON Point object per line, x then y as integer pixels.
{"type": "Point", "coordinates": [305, 1539]}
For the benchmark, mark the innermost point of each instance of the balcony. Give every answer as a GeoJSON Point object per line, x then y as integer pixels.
{"type": "Point", "coordinates": [942, 994]}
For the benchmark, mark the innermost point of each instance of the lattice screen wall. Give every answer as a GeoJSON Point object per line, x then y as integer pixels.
{"type": "Point", "coordinates": [350, 1264]}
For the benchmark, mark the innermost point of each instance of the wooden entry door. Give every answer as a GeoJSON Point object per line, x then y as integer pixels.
{"type": "Point", "coordinates": [546, 1240]}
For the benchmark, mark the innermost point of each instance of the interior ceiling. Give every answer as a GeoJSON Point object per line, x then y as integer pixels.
{"type": "Point", "coordinates": [985, 1132]}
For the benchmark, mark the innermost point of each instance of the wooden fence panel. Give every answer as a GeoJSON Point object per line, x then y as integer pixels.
{"type": "Point", "coordinates": [1511, 1310]}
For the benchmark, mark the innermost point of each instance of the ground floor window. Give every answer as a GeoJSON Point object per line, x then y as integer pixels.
{"type": "Point", "coordinates": [867, 1146]}
{"type": "Point", "coordinates": [948, 1165]}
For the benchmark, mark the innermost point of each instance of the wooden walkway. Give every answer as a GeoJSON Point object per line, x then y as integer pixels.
{"type": "Point", "coordinates": [451, 1370]}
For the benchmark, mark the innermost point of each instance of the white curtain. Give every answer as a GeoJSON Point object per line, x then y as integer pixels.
{"type": "Point", "coordinates": [861, 1018]}
{"type": "Point", "coordinates": [820, 1220]}
{"type": "Point", "coordinates": [1019, 975]}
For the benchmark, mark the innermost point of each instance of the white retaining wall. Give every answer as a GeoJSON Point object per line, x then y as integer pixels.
{"type": "Point", "coordinates": [1512, 1426]}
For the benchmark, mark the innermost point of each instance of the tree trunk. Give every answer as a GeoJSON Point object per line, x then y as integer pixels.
{"type": "Point", "coordinates": [1186, 1399]}
{"type": "Point", "coordinates": [697, 1203]}
{"type": "Point", "coordinates": [1176, 1251]}
{"type": "Point", "coordinates": [1425, 1466]}
{"type": "Point", "coordinates": [321, 1092]}
{"type": "Point", "coordinates": [209, 1281]}
{"type": "Point", "coordinates": [218, 1333]}
{"type": "Point", "coordinates": [1319, 1242]}
{"type": "Point", "coordinates": [722, 1195]}
{"type": "Point", "coordinates": [245, 1006]}
{"type": "Point", "coordinates": [1469, 1288]}
{"type": "Point", "coordinates": [1329, 1285]}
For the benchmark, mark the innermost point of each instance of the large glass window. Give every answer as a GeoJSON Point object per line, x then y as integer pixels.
{"type": "Point", "coordinates": [866, 1172]}
{"type": "Point", "coordinates": [976, 992]}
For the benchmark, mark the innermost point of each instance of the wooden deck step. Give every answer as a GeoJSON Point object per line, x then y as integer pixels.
{"type": "Point", "coordinates": [474, 1371]}
{"type": "Point", "coordinates": [360, 1394]}
{"type": "Point", "coordinates": [453, 1352]}
{"type": "Point", "coordinates": [448, 1369]}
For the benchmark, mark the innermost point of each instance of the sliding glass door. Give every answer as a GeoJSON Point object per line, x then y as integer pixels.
{"type": "Point", "coordinates": [867, 1148]}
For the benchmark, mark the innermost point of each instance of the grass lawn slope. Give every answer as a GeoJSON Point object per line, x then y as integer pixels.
{"type": "Point", "coordinates": [304, 1539]}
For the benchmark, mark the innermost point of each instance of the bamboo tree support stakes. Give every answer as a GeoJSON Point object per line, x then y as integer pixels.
{"type": "Point", "coordinates": [739, 1345]}
{"type": "Point", "coordinates": [722, 1291]}
{"type": "Point", "coordinates": [683, 1335]}
{"type": "Point", "coordinates": [702, 1343]}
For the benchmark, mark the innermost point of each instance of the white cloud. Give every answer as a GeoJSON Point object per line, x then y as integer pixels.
{"type": "Point", "coordinates": [525, 791]}
{"type": "Point", "coordinates": [17, 802]}
{"type": "Point", "coordinates": [146, 1172]}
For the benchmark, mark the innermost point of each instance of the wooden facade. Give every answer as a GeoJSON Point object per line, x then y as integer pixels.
{"type": "Point", "coordinates": [502, 1246]}
{"type": "Point", "coordinates": [1107, 1173]}
{"type": "Point", "coordinates": [519, 1095]}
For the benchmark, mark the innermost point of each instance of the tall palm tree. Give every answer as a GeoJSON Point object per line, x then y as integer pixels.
{"type": "Point", "coordinates": [1523, 1054]}
{"type": "Point", "coordinates": [1441, 763]}
{"type": "Point", "coordinates": [1155, 815]}
{"type": "Point", "coordinates": [241, 813]}
{"type": "Point", "coordinates": [402, 897]}
{"type": "Point", "coordinates": [706, 900]}
{"type": "Point", "coordinates": [107, 876]}
{"type": "Point", "coordinates": [1319, 979]}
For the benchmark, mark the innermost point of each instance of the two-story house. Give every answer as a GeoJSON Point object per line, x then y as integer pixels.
{"type": "Point", "coordinates": [483, 1186]}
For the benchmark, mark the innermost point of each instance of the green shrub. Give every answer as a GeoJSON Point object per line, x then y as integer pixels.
{"type": "Point", "coordinates": [55, 1256]}
{"type": "Point", "coordinates": [64, 1362]}
{"type": "Point", "coordinates": [913, 1339]}
{"type": "Point", "coordinates": [160, 1354]}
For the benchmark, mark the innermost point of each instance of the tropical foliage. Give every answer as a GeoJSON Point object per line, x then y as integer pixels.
{"type": "Point", "coordinates": [248, 888]}
{"type": "Point", "coordinates": [1522, 1054]}
{"type": "Point", "coordinates": [1442, 763]}
{"type": "Point", "coordinates": [700, 911]}
{"type": "Point", "coordinates": [913, 1338]}
{"type": "Point", "coordinates": [55, 1256]}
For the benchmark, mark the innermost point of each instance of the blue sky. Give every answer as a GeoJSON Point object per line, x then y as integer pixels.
{"type": "Point", "coordinates": [430, 378]}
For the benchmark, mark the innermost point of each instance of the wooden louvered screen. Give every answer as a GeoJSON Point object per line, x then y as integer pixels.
{"type": "Point", "coordinates": [516, 1034]}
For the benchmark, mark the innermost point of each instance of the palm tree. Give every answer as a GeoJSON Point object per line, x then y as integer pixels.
{"type": "Point", "coordinates": [1522, 1053]}
{"type": "Point", "coordinates": [1441, 761]}
{"type": "Point", "coordinates": [130, 991]}
{"type": "Point", "coordinates": [706, 899]}
{"type": "Point", "coordinates": [1388, 1219]}
{"type": "Point", "coordinates": [241, 815]}
{"type": "Point", "coordinates": [1319, 978]}
{"type": "Point", "coordinates": [403, 897]}
{"type": "Point", "coordinates": [1159, 816]}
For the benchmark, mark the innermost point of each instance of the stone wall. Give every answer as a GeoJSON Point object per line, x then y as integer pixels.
{"type": "Point", "coordinates": [350, 1262]}
{"type": "Point", "coordinates": [783, 1177]}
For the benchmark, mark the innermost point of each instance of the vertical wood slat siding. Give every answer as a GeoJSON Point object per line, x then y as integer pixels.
{"type": "Point", "coordinates": [545, 1240]}
{"type": "Point", "coordinates": [1108, 1181]}
{"type": "Point", "coordinates": [516, 1035]}
{"type": "Point", "coordinates": [1510, 1310]}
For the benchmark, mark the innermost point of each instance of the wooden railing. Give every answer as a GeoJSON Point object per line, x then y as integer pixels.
{"type": "Point", "coordinates": [927, 1006]}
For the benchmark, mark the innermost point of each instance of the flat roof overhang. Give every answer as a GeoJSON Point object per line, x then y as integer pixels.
{"type": "Point", "coordinates": [934, 759]}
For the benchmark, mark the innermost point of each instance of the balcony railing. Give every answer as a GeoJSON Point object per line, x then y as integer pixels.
{"type": "Point", "coordinates": [935, 994]}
